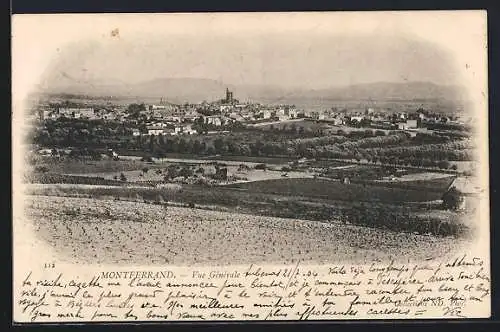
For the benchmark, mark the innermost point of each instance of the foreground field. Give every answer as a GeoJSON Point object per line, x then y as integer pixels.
{"type": "Point", "coordinates": [97, 231]}
{"type": "Point", "coordinates": [401, 217]}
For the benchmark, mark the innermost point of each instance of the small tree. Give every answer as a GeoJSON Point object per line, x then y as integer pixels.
{"type": "Point", "coordinates": [186, 172]}
{"type": "Point", "coordinates": [261, 166]}
{"type": "Point", "coordinates": [452, 199]}
{"type": "Point", "coordinates": [145, 170]}
{"type": "Point", "coordinates": [123, 177]}
{"type": "Point", "coordinates": [444, 164]}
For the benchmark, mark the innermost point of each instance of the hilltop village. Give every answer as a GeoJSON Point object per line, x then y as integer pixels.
{"type": "Point", "coordinates": [168, 119]}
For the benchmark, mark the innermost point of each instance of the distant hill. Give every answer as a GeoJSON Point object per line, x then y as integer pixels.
{"type": "Point", "coordinates": [391, 91]}
{"type": "Point", "coordinates": [195, 90]}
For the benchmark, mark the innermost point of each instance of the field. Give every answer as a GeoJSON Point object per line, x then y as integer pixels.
{"type": "Point", "coordinates": [114, 232]}
{"type": "Point", "coordinates": [72, 166]}
{"type": "Point", "coordinates": [401, 217]}
{"type": "Point", "coordinates": [157, 175]}
{"type": "Point", "coordinates": [306, 124]}
{"type": "Point", "coordinates": [336, 190]}
{"type": "Point", "coordinates": [420, 176]}
{"type": "Point", "coordinates": [421, 181]}
{"type": "Point", "coordinates": [408, 205]}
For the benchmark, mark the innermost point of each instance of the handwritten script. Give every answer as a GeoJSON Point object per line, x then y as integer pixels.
{"type": "Point", "coordinates": [457, 288]}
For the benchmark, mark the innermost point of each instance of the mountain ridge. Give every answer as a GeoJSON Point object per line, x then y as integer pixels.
{"type": "Point", "coordinates": [195, 90]}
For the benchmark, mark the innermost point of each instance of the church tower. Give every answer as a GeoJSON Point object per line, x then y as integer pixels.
{"type": "Point", "coordinates": [229, 96]}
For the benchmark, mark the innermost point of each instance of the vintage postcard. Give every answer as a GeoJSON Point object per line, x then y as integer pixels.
{"type": "Point", "coordinates": [250, 166]}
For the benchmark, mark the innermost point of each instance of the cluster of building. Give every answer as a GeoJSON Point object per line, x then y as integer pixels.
{"type": "Point", "coordinates": [383, 119]}
{"type": "Point", "coordinates": [170, 119]}
{"type": "Point", "coordinates": [161, 129]}
{"type": "Point", "coordinates": [223, 112]}
{"type": "Point", "coordinates": [88, 113]}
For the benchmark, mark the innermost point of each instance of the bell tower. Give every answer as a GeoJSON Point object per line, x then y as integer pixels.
{"type": "Point", "coordinates": [229, 96]}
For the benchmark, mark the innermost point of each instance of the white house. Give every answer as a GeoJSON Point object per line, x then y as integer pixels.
{"type": "Point", "coordinates": [225, 108]}
{"type": "Point", "coordinates": [235, 116]}
{"type": "Point", "coordinates": [178, 130]}
{"type": "Point", "coordinates": [87, 113]}
{"type": "Point", "coordinates": [318, 115]}
{"type": "Point", "coordinates": [411, 123]}
{"type": "Point", "coordinates": [337, 121]}
{"type": "Point", "coordinates": [109, 116]}
{"type": "Point", "coordinates": [157, 107]}
{"type": "Point", "coordinates": [73, 112]}
{"type": "Point", "coordinates": [402, 126]}
{"type": "Point", "coordinates": [292, 113]}
{"type": "Point", "coordinates": [357, 118]}
{"type": "Point", "coordinates": [280, 112]}
{"type": "Point", "coordinates": [266, 114]}
{"type": "Point", "coordinates": [189, 130]}
{"type": "Point", "coordinates": [160, 124]}
{"type": "Point", "coordinates": [215, 120]}
{"type": "Point", "coordinates": [46, 114]}
{"type": "Point", "coordinates": [152, 130]}
{"type": "Point", "coordinates": [45, 152]}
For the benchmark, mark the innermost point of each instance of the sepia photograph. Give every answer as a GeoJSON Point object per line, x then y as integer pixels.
{"type": "Point", "coordinates": [216, 140]}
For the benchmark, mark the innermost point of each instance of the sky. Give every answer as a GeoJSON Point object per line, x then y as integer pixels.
{"type": "Point", "coordinates": [280, 59]}
{"type": "Point", "coordinates": [314, 50]}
